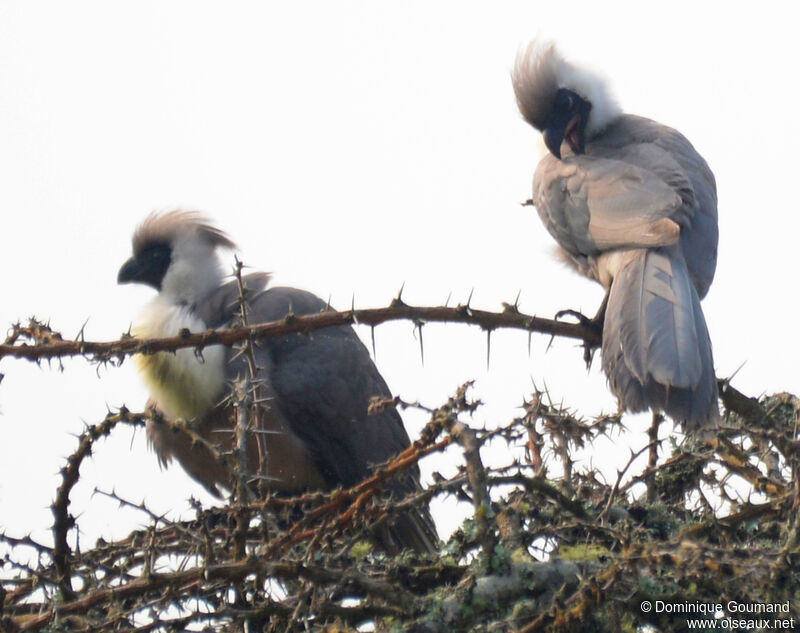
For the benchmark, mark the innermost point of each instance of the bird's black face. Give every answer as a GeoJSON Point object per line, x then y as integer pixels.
{"type": "Point", "coordinates": [148, 266]}
{"type": "Point", "coordinates": [567, 123]}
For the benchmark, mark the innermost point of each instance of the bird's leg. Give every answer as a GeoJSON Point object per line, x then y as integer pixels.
{"type": "Point", "coordinates": [652, 462]}
{"type": "Point", "coordinates": [595, 324]}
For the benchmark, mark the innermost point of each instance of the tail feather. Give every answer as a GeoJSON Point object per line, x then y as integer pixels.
{"type": "Point", "coordinates": [656, 348]}
{"type": "Point", "coordinates": [413, 529]}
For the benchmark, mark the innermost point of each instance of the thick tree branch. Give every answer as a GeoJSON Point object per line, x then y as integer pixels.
{"type": "Point", "coordinates": [39, 342]}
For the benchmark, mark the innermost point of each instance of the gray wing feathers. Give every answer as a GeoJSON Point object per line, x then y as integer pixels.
{"type": "Point", "coordinates": [671, 157]}
{"type": "Point", "coordinates": [324, 381]}
{"type": "Point", "coordinates": [320, 384]}
{"type": "Point", "coordinates": [592, 205]}
{"type": "Point", "coordinates": [656, 349]}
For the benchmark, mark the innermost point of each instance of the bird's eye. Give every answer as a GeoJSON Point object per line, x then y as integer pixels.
{"type": "Point", "coordinates": [565, 100]}
{"type": "Point", "coordinates": [156, 256]}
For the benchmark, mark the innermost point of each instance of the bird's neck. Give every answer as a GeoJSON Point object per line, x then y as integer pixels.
{"type": "Point", "coordinates": [184, 384]}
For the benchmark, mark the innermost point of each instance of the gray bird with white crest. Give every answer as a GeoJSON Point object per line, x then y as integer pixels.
{"type": "Point", "coordinates": [316, 387]}
{"type": "Point", "coordinates": [633, 206]}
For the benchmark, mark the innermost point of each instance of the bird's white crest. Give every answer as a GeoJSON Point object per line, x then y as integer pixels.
{"type": "Point", "coordinates": [540, 71]}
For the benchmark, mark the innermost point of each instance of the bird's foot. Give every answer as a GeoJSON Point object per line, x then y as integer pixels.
{"type": "Point", "coordinates": [594, 325]}
{"type": "Point", "coordinates": [578, 316]}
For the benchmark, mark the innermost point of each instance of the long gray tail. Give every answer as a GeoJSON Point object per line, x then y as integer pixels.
{"type": "Point", "coordinates": [656, 348]}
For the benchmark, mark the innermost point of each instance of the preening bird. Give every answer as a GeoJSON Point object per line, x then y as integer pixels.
{"type": "Point", "coordinates": [633, 206]}
{"type": "Point", "coordinates": [316, 387]}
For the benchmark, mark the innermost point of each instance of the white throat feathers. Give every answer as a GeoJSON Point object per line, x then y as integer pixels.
{"type": "Point", "coordinates": [184, 384]}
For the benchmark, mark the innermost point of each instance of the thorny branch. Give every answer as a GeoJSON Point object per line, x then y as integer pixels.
{"type": "Point", "coordinates": [62, 521]}
{"type": "Point", "coordinates": [37, 341]}
{"type": "Point", "coordinates": [549, 544]}
{"type": "Point", "coordinates": [247, 401]}
{"type": "Point", "coordinates": [537, 553]}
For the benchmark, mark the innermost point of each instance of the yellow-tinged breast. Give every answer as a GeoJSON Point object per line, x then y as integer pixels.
{"type": "Point", "coordinates": [184, 384]}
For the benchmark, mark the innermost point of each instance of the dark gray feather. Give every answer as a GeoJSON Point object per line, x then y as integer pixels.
{"type": "Point", "coordinates": [323, 382]}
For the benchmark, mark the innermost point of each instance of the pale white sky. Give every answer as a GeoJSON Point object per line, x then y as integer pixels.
{"type": "Point", "coordinates": [351, 147]}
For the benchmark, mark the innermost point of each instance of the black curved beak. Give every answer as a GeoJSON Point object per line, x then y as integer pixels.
{"type": "Point", "coordinates": [567, 123]}
{"type": "Point", "coordinates": [553, 137]}
{"type": "Point", "coordinates": [130, 272]}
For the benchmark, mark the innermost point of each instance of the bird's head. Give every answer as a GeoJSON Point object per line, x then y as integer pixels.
{"type": "Point", "coordinates": [566, 103]}
{"type": "Point", "coordinates": [174, 252]}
